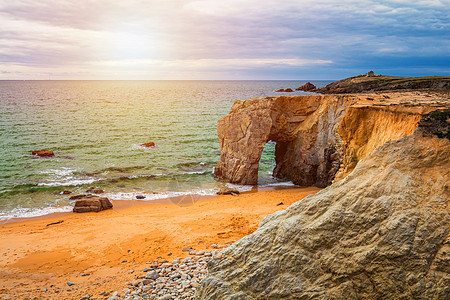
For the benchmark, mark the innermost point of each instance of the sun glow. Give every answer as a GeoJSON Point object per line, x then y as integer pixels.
{"type": "Point", "coordinates": [130, 46]}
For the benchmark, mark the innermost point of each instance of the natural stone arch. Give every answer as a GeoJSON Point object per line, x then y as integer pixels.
{"type": "Point", "coordinates": [252, 123]}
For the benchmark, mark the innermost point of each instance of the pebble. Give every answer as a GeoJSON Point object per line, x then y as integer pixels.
{"type": "Point", "coordinates": [177, 280]}
{"type": "Point", "coordinates": [70, 283]}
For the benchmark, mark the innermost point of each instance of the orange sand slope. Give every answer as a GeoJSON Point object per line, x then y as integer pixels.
{"type": "Point", "coordinates": [113, 246]}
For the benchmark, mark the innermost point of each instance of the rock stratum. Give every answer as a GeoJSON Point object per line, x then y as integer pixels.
{"type": "Point", "coordinates": [381, 232]}
{"type": "Point", "coordinates": [319, 138]}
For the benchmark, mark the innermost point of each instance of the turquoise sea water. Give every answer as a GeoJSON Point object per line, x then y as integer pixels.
{"type": "Point", "coordinates": [95, 128]}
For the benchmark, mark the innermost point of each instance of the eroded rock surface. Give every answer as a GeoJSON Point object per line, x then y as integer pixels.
{"type": "Point", "coordinates": [320, 138]}
{"type": "Point", "coordinates": [382, 232]}
{"type": "Point", "coordinates": [90, 203]}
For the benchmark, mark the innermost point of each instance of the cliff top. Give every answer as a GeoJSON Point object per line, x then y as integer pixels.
{"type": "Point", "coordinates": [366, 83]}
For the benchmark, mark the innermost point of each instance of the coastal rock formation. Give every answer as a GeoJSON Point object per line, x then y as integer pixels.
{"type": "Point", "coordinates": [148, 145]}
{"type": "Point", "coordinates": [307, 87]}
{"type": "Point", "coordinates": [90, 203]}
{"type": "Point", "coordinates": [43, 153]}
{"type": "Point", "coordinates": [383, 232]}
{"type": "Point", "coordinates": [371, 82]}
{"type": "Point", "coordinates": [252, 123]}
{"type": "Point", "coordinates": [288, 90]}
{"type": "Point", "coordinates": [318, 137]}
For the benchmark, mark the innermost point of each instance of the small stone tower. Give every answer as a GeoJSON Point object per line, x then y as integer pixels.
{"type": "Point", "coordinates": [370, 74]}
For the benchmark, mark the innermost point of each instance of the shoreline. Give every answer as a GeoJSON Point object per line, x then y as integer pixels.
{"type": "Point", "coordinates": [113, 246]}
{"type": "Point", "coordinates": [122, 204]}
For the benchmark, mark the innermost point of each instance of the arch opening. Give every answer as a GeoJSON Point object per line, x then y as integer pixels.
{"type": "Point", "coordinates": [267, 164]}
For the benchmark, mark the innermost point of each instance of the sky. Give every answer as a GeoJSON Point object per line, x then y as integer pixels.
{"type": "Point", "coordinates": [222, 39]}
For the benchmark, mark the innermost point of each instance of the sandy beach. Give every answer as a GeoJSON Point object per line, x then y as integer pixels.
{"type": "Point", "coordinates": [113, 246]}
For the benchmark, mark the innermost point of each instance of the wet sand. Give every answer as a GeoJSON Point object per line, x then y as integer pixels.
{"type": "Point", "coordinates": [113, 246]}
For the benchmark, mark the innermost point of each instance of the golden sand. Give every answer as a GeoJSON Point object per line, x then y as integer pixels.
{"type": "Point", "coordinates": [113, 246]}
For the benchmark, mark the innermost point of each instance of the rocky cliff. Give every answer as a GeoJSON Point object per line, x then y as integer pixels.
{"type": "Point", "coordinates": [382, 232]}
{"type": "Point", "coordinates": [319, 138]}
{"type": "Point", "coordinates": [364, 83]}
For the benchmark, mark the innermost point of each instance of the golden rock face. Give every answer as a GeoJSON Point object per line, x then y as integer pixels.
{"type": "Point", "coordinates": [320, 138]}
{"type": "Point", "coordinates": [376, 234]}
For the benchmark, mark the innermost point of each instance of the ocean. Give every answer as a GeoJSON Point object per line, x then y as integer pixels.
{"type": "Point", "coordinates": [96, 128]}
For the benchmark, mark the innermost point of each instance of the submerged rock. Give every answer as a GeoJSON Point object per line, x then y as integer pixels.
{"type": "Point", "coordinates": [94, 190]}
{"type": "Point", "coordinates": [92, 204]}
{"type": "Point", "coordinates": [148, 145]}
{"type": "Point", "coordinates": [382, 232]}
{"type": "Point", "coordinates": [43, 153]}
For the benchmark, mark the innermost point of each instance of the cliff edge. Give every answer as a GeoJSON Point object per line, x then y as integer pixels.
{"type": "Point", "coordinates": [382, 232]}
{"type": "Point", "coordinates": [365, 83]}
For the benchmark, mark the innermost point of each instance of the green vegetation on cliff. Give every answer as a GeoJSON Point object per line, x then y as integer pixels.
{"type": "Point", "coordinates": [365, 83]}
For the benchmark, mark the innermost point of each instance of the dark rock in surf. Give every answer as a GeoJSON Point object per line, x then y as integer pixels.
{"type": "Point", "coordinates": [307, 87]}
{"type": "Point", "coordinates": [43, 153]}
{"type": "Point", "coordinates": [92, 204]}
{"type": "Point", "coordinates": [148, 145]}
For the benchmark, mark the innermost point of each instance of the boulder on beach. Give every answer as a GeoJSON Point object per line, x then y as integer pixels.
{"type": "Point", "coordinates": [43, 153]}
{"type": "Point", "coordinates": [148, 145]}
{"type": "Point", "coordinates": [90, 203]}
{"type": "Point", "coordinates": [307, 87]}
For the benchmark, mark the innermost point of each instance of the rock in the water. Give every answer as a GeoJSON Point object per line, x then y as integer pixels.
{"type": "Point", "coordinates": [76, 197]}
{"type": "Point", "coordinates": [43, 153]}
{"type": "Point", "coordinates": [280, 91]}
{"type": "Point", "coordinates": [148, 145]}
{"type": "Point", "coordinates": [288, 90]}
{"type": "Point", "coordinates": [140, 197]}
{"type": "Point", "coordinates": [307, 87]}
{"type": "Point", "coordinates": [92, 204]}
{"type": "Point", "coordinates": [382, 232]}
{"type": "Point", "coordinates": [94, 190]}
{"type": "Point", "coordinates": [228, 191]}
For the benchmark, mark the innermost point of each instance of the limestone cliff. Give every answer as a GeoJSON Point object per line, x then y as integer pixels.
{"type": "Point", "coordinates": [382, 232]}
{"type": "Point", "coordinates": [320, 138]}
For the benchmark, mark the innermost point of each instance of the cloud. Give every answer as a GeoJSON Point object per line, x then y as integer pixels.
{"type": "Point", "coordinates": [70, 37]}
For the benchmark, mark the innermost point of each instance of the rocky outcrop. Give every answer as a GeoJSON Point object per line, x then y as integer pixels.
{"type": "Point", "coordinates": [252, 123]}
{"type": "Point", "coordinates": [365, 83]}
{"type": "Point", "coordinates": [148, 145]}
{"type": "Point", "coordinates": [90, 203]}
{"type": "Point", "coordinates": [307, 87]}
{"type": "Point", "coordinates": [288, 90]}
{"type": "Point", "coordinates": [43, 153]}
{"type": "Point", "coordinates": [319, 138]}
{"type": "Point", "coordinates": [383, 232]}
